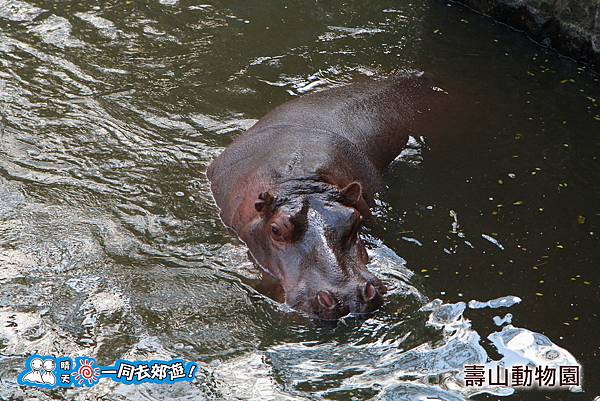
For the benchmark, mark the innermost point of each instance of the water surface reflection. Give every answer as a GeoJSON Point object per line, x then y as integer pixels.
{"type": "Point", "coordinates": [110, 244]}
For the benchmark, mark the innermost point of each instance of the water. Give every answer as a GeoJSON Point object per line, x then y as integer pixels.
{"type": "Point", "coordinates": [110, 244]}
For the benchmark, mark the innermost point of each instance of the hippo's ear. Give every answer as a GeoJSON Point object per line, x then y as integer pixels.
{"type": "Point", "coordinates": [351, 193]}
{"type": "Point", "coordinates": [264, 204]}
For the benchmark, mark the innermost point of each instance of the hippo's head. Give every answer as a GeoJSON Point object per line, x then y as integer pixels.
{"type": "Point", "coordinates": [308, 239]}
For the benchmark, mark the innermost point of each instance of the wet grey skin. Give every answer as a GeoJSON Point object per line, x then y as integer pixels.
{"type": "Point", "coordinates": [331, 279]}
{"type": "Point", "coordinates": [296, 186]}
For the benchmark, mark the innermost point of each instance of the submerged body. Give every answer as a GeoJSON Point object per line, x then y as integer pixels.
{"type": "Point", "coordinates": [296, 186]}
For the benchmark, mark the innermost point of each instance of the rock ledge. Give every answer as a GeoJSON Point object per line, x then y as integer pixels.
{"type": "Point", "coordinates": [572, 27]}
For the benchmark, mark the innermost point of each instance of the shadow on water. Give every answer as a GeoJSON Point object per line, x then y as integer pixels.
{"type": "Point", "coordinates": [111, 246]}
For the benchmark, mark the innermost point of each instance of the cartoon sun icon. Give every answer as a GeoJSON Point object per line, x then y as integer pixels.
{"type": "Point", "coordinates": [86, 371]}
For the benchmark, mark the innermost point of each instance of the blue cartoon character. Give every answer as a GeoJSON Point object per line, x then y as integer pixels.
{"type": "Point", "coordinates": [48, 375]}
{"type": "Point", "coordinates": [39, 372]}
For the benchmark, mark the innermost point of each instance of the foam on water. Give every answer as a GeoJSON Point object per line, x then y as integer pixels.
{"type": "Point", "coordinates": [502, 302]}
{"type": "Point", "coordinates": [433, 370]}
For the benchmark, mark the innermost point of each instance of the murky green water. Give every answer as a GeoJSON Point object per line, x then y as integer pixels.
{"type": "Point", "coordinates": [111, 246]}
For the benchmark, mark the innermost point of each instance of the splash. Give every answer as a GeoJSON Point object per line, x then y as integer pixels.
{"type": "Point", "coordinates": [505, 302]}
{"type": "Point", "coordinates": [385, 369]}
{"type": "Point", "coordinates": [415, 364]}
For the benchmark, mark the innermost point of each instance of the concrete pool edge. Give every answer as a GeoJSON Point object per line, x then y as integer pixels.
{"type": "Point", "coordinates": [572, 27]}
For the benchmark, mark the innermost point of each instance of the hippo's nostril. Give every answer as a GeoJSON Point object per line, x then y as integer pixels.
{"type": "Point", "coordinates": [369, 292]}
{"type": "Point", "coordinates": [325, 299]}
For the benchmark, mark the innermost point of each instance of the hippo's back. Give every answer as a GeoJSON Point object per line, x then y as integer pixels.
{"type": "Point", "coordinates": [344, 134]}
{"type": "Point", "coordinates": [376, 115]}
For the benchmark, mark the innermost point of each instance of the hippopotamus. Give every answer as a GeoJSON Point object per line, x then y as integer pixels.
{"type": "Point", "coordinates": [297, 185]}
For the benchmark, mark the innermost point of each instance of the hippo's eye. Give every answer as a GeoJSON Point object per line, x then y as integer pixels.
{"type": "Point", "coordinates": [275, 231]}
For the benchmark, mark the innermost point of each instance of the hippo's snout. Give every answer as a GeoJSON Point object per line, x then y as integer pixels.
{"type": "Point", "coordinates": [326, 300]}
{"type": "Point", "coordinates": [364, 298]}
{"type": "Point", "coordinates": [368, 293]}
